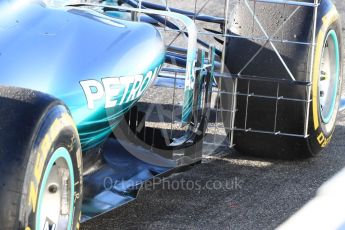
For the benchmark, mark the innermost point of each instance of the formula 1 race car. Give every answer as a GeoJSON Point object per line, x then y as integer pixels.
{"type": "Point", "coordinates": [96, 99]}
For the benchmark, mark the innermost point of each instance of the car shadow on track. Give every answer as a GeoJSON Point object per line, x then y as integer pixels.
{"type": "Point", "coordinates": [234, 192]}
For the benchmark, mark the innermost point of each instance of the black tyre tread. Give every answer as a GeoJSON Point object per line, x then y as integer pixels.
{"type": "Point", "coordinates": [21, 111]}
{"type": "Point", "coordinates": [290, 117]}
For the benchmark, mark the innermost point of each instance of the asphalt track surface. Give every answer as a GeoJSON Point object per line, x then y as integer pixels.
{"type": "Point", "coordinates": [254, 193]}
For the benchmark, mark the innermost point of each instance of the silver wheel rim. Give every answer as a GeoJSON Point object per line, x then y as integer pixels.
{"type": "Point", "coordinates": [329, 74]}
{"type": "Point", "coordinates": [55, 205]}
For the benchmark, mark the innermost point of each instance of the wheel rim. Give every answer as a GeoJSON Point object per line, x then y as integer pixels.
{"type": "Point", "coordinates": [329, 77]}
{"type": "Point", "coordinates": [55, 202]}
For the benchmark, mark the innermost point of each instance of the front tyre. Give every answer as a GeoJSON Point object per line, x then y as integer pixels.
{"type": "Point", "coordinates": [40, 159]}
{"type": "Point", "coordinates": [289, 117]}
{"type": "Point", "coordinates": [327, 85]}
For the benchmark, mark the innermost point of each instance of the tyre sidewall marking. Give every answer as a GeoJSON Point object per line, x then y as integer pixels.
{"type": "Point", "coordinates": [327, 21]}
{"type": "Point", "coordinates": [45, 145]}
{"type": "Point", "coordinates": [42, 153]}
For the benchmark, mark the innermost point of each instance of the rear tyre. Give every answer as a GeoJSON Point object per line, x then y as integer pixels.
{"type": "Point", "coordinates": [260, 113]}
{"type": "Point", "coordinates": [40, 162]}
